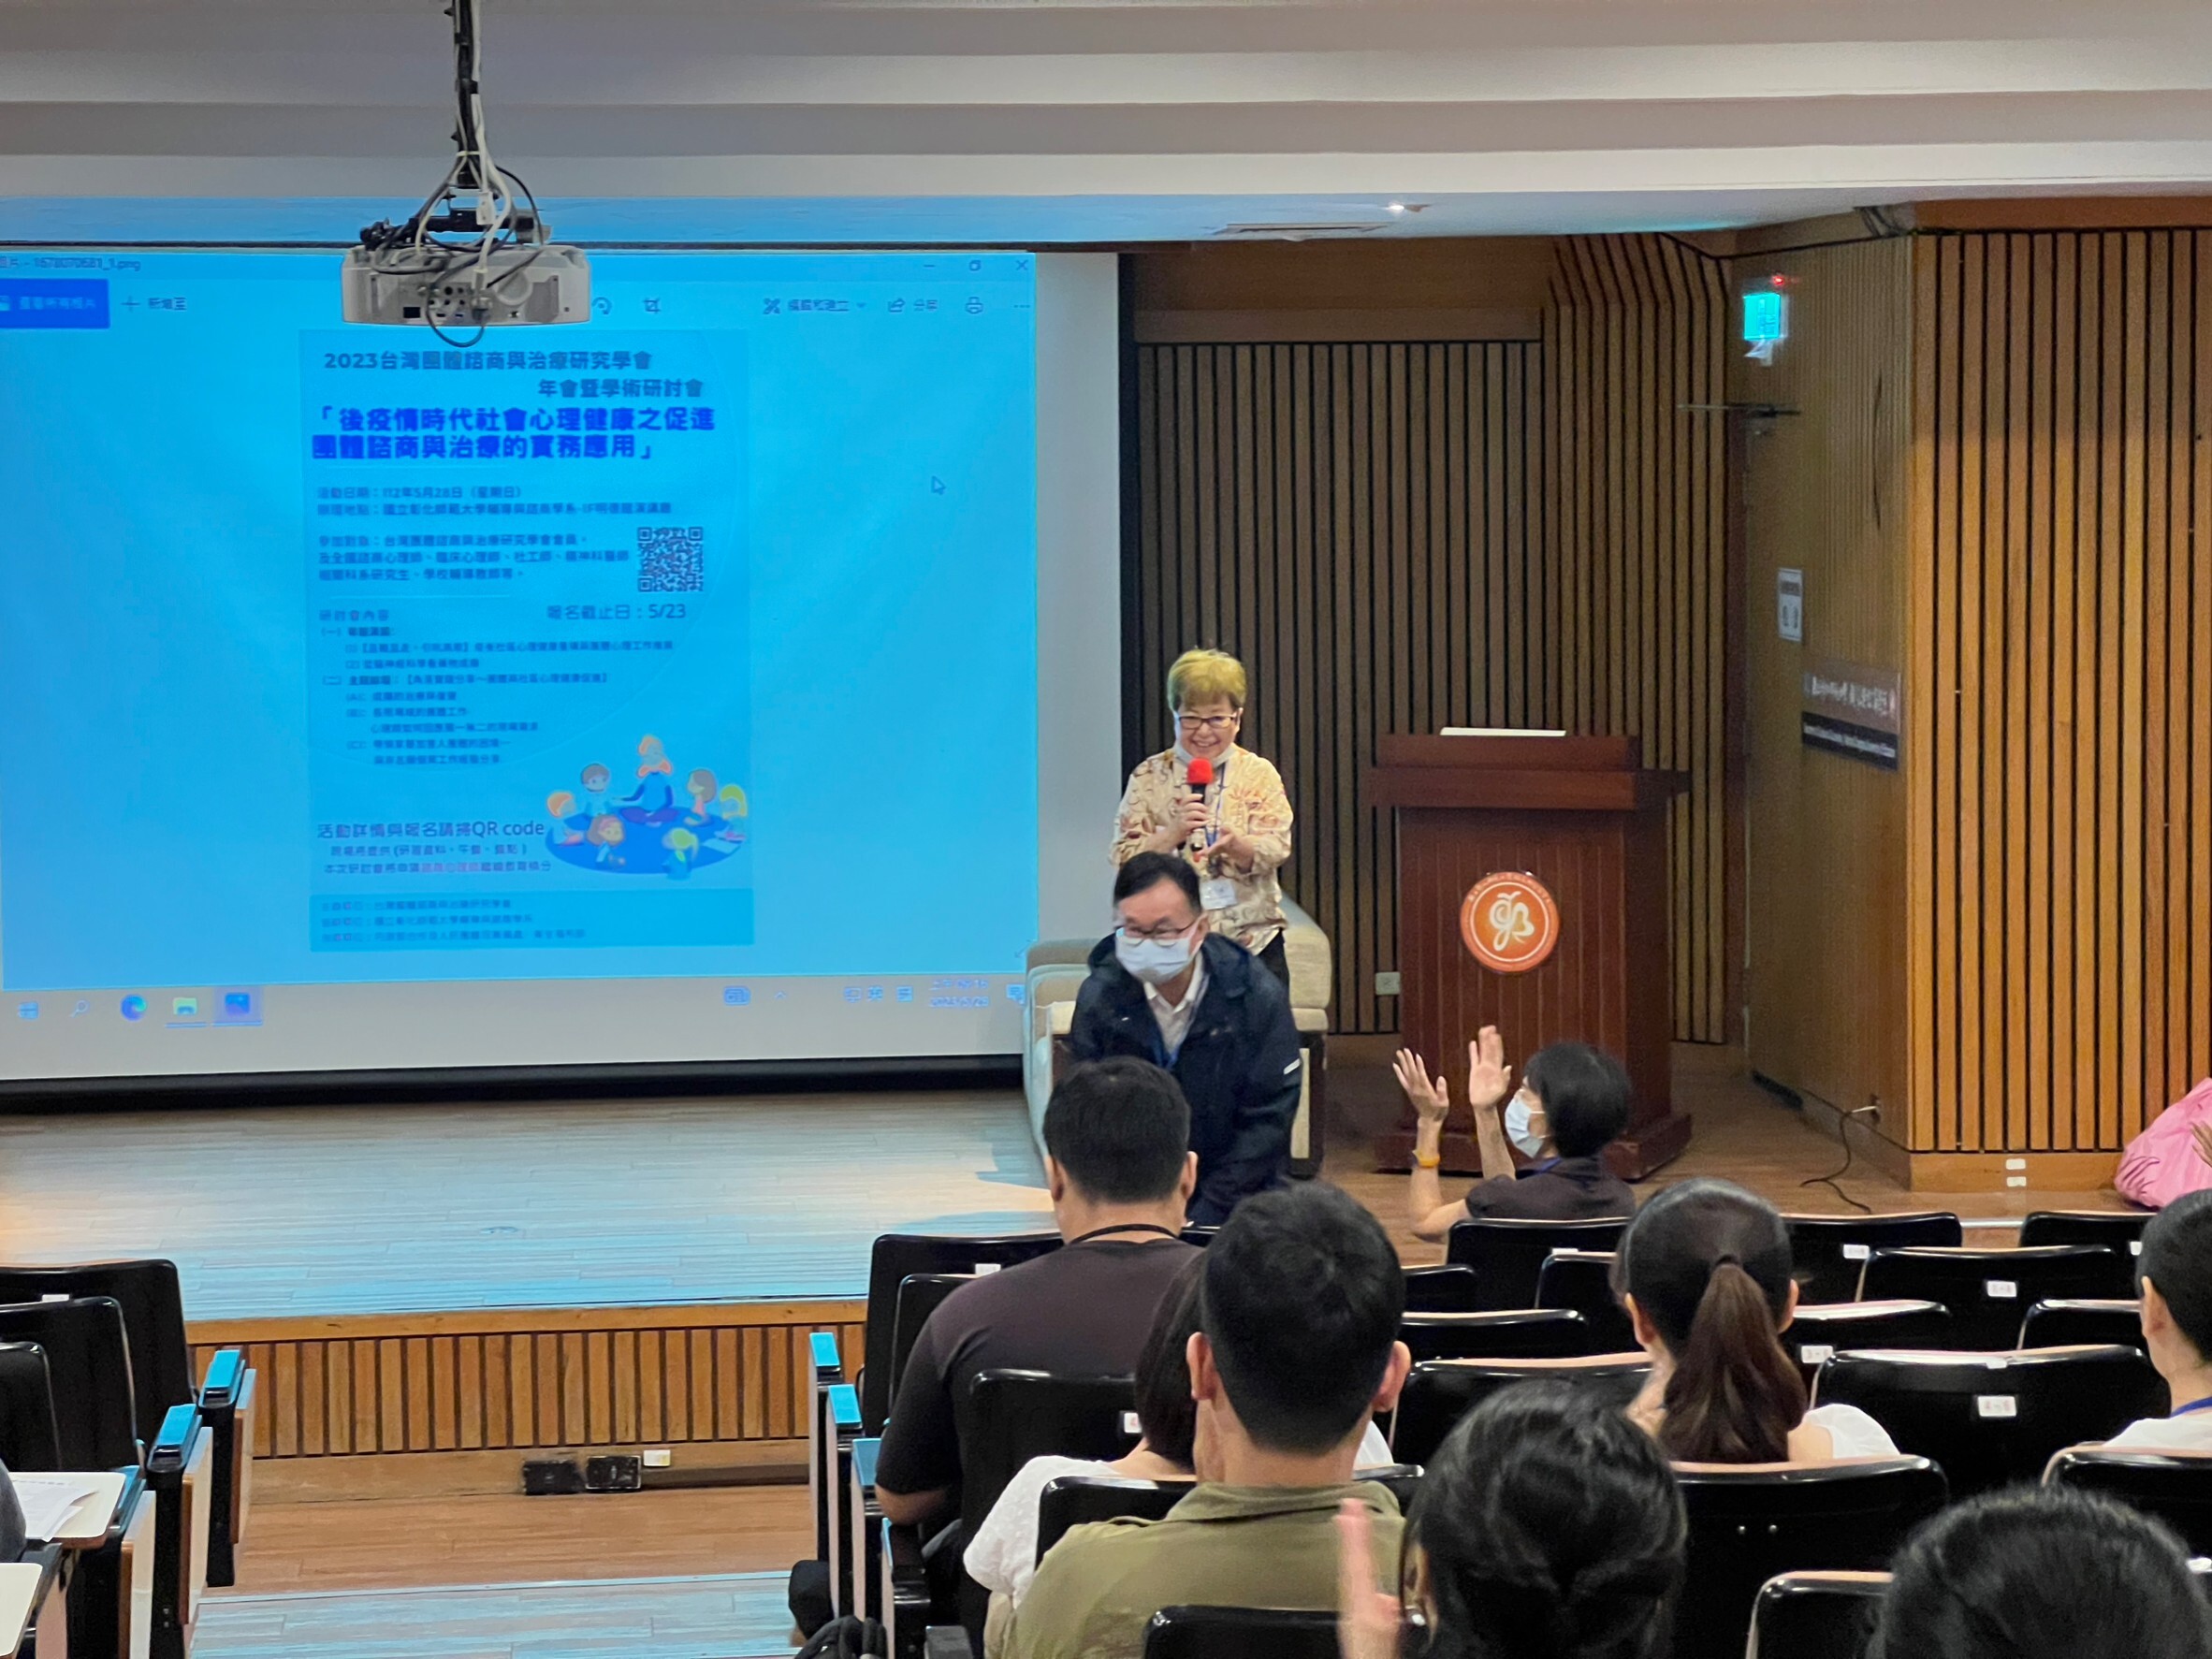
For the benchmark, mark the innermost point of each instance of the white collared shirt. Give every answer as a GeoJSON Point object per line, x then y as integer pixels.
{"type": "Point", "coordinates": [1173, 1018]}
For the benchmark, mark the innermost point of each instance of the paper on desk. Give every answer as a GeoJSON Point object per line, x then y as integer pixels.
{"type": "Point", "coordinates": [49, 1500]}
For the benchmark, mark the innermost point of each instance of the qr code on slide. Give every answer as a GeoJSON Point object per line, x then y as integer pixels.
{"type": "Point", "coordinates": [671, 559]}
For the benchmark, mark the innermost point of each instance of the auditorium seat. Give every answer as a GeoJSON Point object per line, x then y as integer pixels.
{"type": "Point", "coordinates": [1240, 1633]}
{"type": "Point", "coordinates": [844, 1428]}
{"type": "Point", "coordinates": [1816, 1615]}
{"type": "Point", "coordinates": [895, 1257]}
{"type": "Point", "coordinates": [2176, 1487]}
{"type": "Point", "coordinates": [1510, 1333]}
{"type": "Point", "coordinates": [1995, 1416]}
{"type": "Point", "coordinates": [1816, 1333]}
{"type": "Point", "coordinates": [1507, 1256]}
{"type": "Point", "coordinates": [826, 1368]}
{"type": "Point", "coordinates": [1828, 1253]}
{"type": "Point", "coordinates": [1449, 1289]}
{"type": "Point", "coordinates": [919, 1296]}
{"type": "Point", "coordinates": [89, 1363]}
{"type": "Point", "coordinates": [29, 1441]}
{"type": "Point", "coordinates": [2118, 1231]}
{"type": "Point", "coordinates": [1584, 1280]}
{"type": "Point", "coordinates": [1438, 1394]}
{"type": "Point", "coordinates": [1989, 1291]}
{"type": "Point", "coordinates": [1750, 1522]}
{"type": "Point", "coordinates": [2069, 1322]}
{"type": "Point", "coordinates": [151, 1298]}
{"type": "Point", "coordinates": [1056, 969]}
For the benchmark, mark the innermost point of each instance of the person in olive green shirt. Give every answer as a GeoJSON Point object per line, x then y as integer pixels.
{"type": "Point", "coordinates": [1298, 1347]}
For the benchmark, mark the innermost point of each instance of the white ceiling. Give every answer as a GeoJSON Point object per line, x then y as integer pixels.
{"type": "Point", "coordinates": [1041, 121]}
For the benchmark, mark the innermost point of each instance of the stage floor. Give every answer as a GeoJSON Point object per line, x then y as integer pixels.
{"type": "Point", "coordinates": [343, 1211]}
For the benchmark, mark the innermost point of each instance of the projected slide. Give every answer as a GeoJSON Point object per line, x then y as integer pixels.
{"type": "Point", "coordinates": [678, 645]}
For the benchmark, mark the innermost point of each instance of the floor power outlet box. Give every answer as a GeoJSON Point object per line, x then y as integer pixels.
{"type": "Point", "coordinates": [622, 1472]}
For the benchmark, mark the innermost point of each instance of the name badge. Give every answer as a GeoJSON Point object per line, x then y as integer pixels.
{"type": "Point", "coordinates": [1217, 894]}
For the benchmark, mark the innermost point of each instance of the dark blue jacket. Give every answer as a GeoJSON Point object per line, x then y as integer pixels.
{"type": "Point", "coordinates": [1240, 1065]}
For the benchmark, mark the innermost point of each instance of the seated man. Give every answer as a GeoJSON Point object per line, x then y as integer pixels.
{"type": "Point", "coordinates": [1164, 989]}
{"type": "Point", "coordinates": [1572, 1101]}
{"type": "Point", "coordinates": [1297, 1348]}
{"type": "Point", "coordinates": [1116, 1138]}
{"type": "Point", "coordinates": [2173, 1275]}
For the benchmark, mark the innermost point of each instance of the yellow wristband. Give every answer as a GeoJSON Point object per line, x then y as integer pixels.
{"type": "Point", "coordinates": [1428, 1163]}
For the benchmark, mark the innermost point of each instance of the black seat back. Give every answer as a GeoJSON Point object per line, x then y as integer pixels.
{"type": "Point", "coordinates": [1438, 1394]}
{"type": "Point", "coordinates": [1079, 1500]}
{"type": "Point", "coordinates": [2075, 1321]}
{"type": "Point", "coordinates": [1510, 1333]}
{"type": "Point", "coordinates": [1748, 1524]}
{"type": "Point", "coordinates": [919, 1296]}
{"type": "Point", "coordinates": [29, 1441]}
{"type": "Point", "coordinates": [1817, 1332]}
{"type": "Point", "coordinates": [1584, 1280]}
{"type": "Point", "coordinates": [1816, 1615]}
{"type": "Point", "coordinates": [152, 1303]}
{"type": "Point", "coordinates": [1006, 1418]}
{"type": "Point", "coordinates": [1449, 1289]}
{"type": "Point", "coordinates": [896, 1257]}
{"type": "Point", "coordinates": [1989, 1291]}
{"type": "Point", "coordinates": [1240, 1633]}
{"type": "Point", "coordinates": [1993, 1417]}
{"type": "Point", "coordinates": [2118, 1231]}
{"type": "Point", "coordinates": [2174, 1486]}
{"type": "Point", "coordinates": [88, 1361]}
{"type": "Point", "coordinates": [1507, 1256]}
{"type": "Point", "coordinates": [1827, 1253]}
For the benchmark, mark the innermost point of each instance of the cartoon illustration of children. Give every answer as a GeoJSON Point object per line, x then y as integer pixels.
{"type": "Point", "coordinates": [700, 786]}
{"type": "Point", "coordinates": [732, 805]}
{"type": "Point", "coordinates": [595, 780]}
{"type": "Point", "coordinates": [561, 806]}
{"type": "Point", "coordinates": [606, 834]}
{"type": "Point", "coordinates": [681, 845]}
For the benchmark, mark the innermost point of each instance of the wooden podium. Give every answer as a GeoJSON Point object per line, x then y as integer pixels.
{"type": "Point", "coordinates": [1589, 824]}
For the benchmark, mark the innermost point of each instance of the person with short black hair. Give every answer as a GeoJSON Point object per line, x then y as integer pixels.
{"type": "Point", "coordinates": [1572, 1103]}
{"type": "Point", "coordinates": [2174, 1277]}
{"type": "Point", "coordinates": [1165, 988]}
{"type": "Point", "coordinates": [1705, 1273]}
{"type": "Point", "coordinates": [2041, 1573]}
{"type": "Point", "coordinates": [1297, 1350]}
{"type": "Point", "coordinates": [1546, 1527]}
{"type": "Point", "coordinates": [1120, 1174]}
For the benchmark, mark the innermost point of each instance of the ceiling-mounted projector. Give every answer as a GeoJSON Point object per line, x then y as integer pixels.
{"type": "Point", "coordinates": [476, 254]}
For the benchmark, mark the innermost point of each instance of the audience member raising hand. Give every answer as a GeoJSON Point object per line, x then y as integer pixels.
{"type": "Point", "coordinates": [1704, 1270]}
{"type": "Point", "coordinates": [1573, 1101]}
{"type": "Point", "coordinates": [1547, 1527]}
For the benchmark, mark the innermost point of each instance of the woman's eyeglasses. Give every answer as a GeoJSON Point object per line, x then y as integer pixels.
{"type": "Point", "coordinates": [1205, 723]}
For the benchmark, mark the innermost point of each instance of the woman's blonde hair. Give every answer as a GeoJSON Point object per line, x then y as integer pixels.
{"type": "Point", "coordinates": [1199, 676]}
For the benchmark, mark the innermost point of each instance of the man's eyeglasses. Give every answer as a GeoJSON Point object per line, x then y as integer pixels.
{"type": "Point", "coordinates": [1159, 934]}
{"type": "Point", "coordinates": [1206, 722]}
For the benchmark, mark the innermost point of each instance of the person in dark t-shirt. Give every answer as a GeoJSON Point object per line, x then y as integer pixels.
{"type": "Point", "coordinates": [1572, 1102]}
{"type": "Point", "coordinates": [1119, 1167]}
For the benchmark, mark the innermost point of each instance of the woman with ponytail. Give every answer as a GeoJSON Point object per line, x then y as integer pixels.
{"type": "Point", "coordinates": [1546, 1527]}
{"type": "Point", "coordinates": [1704, 1271]}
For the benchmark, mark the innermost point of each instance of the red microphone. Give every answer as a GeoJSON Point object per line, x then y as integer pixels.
{"type": "Point", "coordinates": [1198, 775]}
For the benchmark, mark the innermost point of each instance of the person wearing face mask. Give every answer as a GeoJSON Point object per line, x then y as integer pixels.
{"type": "Point", "coordinates": [1234, 831]}
{"type": "Point", "coordinates": [1165, 987]}
{"type": "Point", "coordinates": [1572, 1101]}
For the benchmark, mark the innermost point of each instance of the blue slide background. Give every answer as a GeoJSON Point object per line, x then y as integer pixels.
{"type": "Point", "coordinates": [290, 694]}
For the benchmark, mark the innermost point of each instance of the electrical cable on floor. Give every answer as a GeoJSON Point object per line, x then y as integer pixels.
{"type": "Point", "coordinates": [1844, 1134]}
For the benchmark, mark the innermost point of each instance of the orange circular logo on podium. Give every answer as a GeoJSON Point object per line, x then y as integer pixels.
{"type": "Point", "coordinates": [1511, 923]}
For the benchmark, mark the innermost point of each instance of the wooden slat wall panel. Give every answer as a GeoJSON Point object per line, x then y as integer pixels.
{"type": "Point", "coordinates": [1397, 536]}
{"type": "Point", "coordinates": [736, 1377]}
{"type": "Point", "coordinates": [2061, 721]}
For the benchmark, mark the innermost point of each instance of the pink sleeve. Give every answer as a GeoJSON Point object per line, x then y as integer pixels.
{"type": "Point", "coordinates": [2161, 1163]}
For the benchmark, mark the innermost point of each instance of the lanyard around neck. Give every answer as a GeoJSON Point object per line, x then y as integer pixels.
{"type": "Point", "coordinates": [1100, 1232]}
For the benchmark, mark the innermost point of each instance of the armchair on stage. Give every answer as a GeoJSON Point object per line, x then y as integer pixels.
{"type": "Point", "coordinates": [1057, 969]}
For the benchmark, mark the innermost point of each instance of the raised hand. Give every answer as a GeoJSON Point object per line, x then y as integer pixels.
{"type": "Point", "coordinates": [1489, 1078]}
{"type": "Point", "coordinates": [1429, 1096]}
{"type": "Point", "coordinates": [1367, 1619]}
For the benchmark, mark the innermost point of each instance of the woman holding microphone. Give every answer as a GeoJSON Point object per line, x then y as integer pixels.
{"type": "Point", "coordinates": [1217, 805]}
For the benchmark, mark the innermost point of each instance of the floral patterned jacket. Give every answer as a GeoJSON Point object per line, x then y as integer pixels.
{"type": "Point", "coordinates": [1247, 798]}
